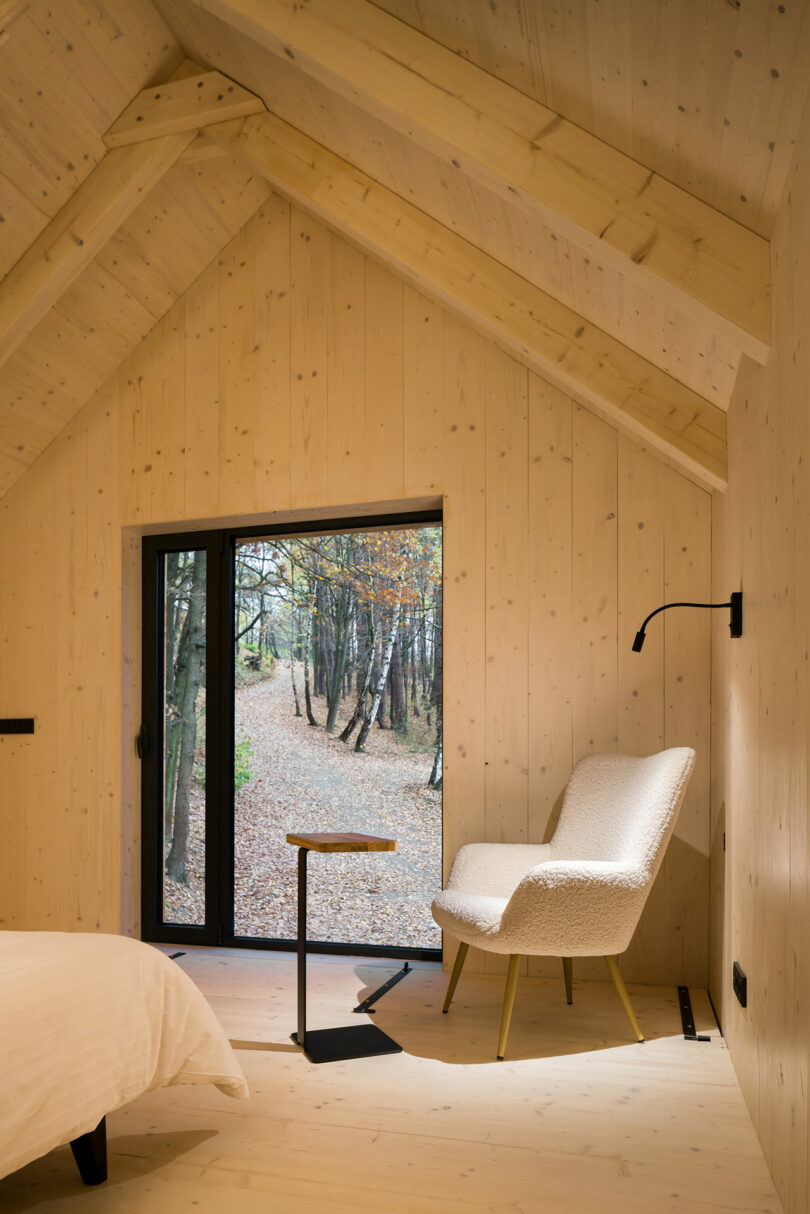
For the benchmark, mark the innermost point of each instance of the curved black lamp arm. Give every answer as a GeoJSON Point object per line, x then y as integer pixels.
{"type": "Point", "coordinates": [735, 624]}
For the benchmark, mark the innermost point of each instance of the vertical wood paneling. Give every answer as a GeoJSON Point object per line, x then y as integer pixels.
{"type": "Point", "coordinates": [99, 746]}
{"type": "Point", "coordinates": [425, 411]}
{"type": "Point", "coordinates": [288, 353]}
{"type": "Point", "coordinates": [346, 374]}
{"type": "Point", "coordinates": [507, 582]}
{"type": "Point", "coordinates": [237, 373]}
{"type": "Point", "coordinates": [40, 654]}
{"type": "Point", "coordinates": [641, 590]}
{"type": "Point", "coordinates": [382, 476]}
{"type": "Point", "coordinates": [682, 886]}
{"type": "Point", "coordinates": [134, 439]}
{"type": "Point", "coordinates": [549, 563]}
{"type": "Point", "coordinates": [201, 480]}
{"type": "Point", "coordinates": [80, 852]}
{"type": "Point", "coordinates": [168, 415]}
{"type": "Point", "coordinates": [594, 593]}
{"type": "Point", "coordinates": [310, 284]}
{"type": "Point", "coordinates": [459, 411]}
{"type": "Point", "coordinates": [641, 540]}
{"type": "Point", "coordinates": [550, 478]}
{"type": "Point", "coordinates": [271, 452]}
{"type": "Point", "coordinates": [507, 600]}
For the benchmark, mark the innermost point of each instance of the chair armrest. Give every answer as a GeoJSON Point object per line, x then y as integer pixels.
{"type": "Point", "coordinates": [494, 870]}
{"type": "Point", "coordinates": [572, 908]}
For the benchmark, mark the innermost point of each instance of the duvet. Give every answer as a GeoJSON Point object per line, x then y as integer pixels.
{"type": "Point", "coordinates": [89, 1022]}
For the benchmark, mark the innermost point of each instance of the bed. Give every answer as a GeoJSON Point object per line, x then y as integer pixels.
{"type": "Point", "coordinates": [87, 1023]}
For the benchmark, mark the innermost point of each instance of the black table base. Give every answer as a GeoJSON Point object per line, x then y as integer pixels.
{"type": "Point", "coordinates": [354, 1041]}
{"type": "Point", "coordinates": [330, 1045]}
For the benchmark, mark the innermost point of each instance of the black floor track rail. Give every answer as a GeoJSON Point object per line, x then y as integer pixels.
{"type": "Point", "coordinates": [365, 1006]}
{"type": "Point", "coordinates": [687, 1016]}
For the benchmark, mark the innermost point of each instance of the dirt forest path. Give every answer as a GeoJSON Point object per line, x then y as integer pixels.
{"type": "Point", "coordinates": [303, 779]}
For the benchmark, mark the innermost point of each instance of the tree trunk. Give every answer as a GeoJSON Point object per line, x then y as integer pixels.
{"type": "Point", "coordinates": [307, 639]}
{"type": "Point", "coordinates": [176, 859]}
{"type": "Point", "coordinates": [293, 643]}
{"type": "Point", "coordinates": [176, 639]}
{"type": "Point", "coordinates": [435, 780]}
{"type": "Point", "coordinates": [399, 711]}
{"type": "Point", "coordinates": [363, 689]}
{"type": "Point", "coordinates": [173, 720]}
{"type": "Point", "coordinates": [385, 662]}
{"type": "Point", "coordinates": [340, 654]}
{"type": "Point", "coordinates": [412, 670]}
{"type": "Point", "coordinates": [319, 645]}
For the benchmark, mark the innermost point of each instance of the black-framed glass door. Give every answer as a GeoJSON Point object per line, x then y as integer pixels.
{"type": "Point", "coordinates": [293, 682]}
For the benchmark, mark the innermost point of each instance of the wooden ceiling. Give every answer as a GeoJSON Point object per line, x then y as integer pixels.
{"type": "Point", "coordinates": [447, 121]}
{"type": "Point", "coordinates": [708, 94]}
{"type": "Point", "coordinates": [67, 71]}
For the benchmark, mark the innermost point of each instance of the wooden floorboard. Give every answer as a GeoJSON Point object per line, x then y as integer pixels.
{"type": "Point", "coordinates": [578, 1118]}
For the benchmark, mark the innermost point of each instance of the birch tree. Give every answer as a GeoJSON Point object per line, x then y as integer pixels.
{"type": "Point", "coordinates": [187, 682]}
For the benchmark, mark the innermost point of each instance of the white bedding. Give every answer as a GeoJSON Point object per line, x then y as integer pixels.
{"type": "Point", "coordinates": [87, 1023]}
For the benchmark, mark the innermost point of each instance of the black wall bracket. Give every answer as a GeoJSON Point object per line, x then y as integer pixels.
{"type": "Point", "coordinates": [16, 724]}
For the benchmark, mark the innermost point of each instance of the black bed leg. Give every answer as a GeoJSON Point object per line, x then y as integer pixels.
{"type": "Point", "coordinates": [90, 1153]}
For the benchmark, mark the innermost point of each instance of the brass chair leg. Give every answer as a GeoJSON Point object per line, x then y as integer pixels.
{"type": "Point", "coordinates": [568, 973]}
{"type": "Point", "coordinates": [508, 1003]}
{"type": "Point", "coordinates": [461, 957]}
{"type": "Point", "coordinates": [623, 995]}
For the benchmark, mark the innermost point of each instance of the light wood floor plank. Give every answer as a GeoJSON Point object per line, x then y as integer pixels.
{"type": "Point", "coordinates": [577, 1119]}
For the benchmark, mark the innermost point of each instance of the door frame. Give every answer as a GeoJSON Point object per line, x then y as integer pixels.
{"type": "Point", "coordinates": [220, 548]}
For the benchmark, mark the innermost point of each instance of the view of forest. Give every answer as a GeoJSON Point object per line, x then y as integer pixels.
{"type": "Point", "coordinates": [338, 717]}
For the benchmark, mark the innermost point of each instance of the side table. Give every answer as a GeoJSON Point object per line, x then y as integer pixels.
{"type": "Point", "coordinates": [351, 1041]}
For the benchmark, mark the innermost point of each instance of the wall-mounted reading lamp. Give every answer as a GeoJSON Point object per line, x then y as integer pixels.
{"type": "Point", "coordinates": [735, 624]}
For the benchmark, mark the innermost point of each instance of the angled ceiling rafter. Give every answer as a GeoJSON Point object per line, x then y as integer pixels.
{"type": "Point", "coordinates": [112, 191]}
{"type": "Point", "coordinates": [10, 11]}
{"type": "Point", "coordinates": [690, 256]}
{"type": "Point", "coordinates": [180, 106]}
{"type": "Point", "coordinates": [543, 333]}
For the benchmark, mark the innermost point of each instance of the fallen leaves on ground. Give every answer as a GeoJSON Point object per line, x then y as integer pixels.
{"type": "Point", "coordinates": [304, 780]}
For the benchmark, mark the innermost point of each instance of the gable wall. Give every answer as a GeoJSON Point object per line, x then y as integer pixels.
{"type": "Point", "coordinates": [296, 373]}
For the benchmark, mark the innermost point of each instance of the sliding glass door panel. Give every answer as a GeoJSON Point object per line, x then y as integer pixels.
{"type": "Point", "coordinates": [337, 715]}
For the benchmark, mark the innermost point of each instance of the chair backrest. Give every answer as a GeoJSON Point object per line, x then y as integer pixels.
{"type": "Point", "coordinates": [621, 807]}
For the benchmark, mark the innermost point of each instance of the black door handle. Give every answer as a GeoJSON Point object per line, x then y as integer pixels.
{"type": "Point", "coordinates": [142, 742]}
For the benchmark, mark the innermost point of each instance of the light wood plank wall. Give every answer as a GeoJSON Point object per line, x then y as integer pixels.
{"type": "Point", "coordinates": [761, 894]}
{"type": "Point", "coordinates": [298, 374]}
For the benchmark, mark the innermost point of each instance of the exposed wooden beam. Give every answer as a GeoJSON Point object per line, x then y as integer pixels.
{"type": "Point", "coordinates": [76, 233]}
{"type": "Point", "coordinates": [10, 10]}
{"type": "Point", "coordinates": [542, 332]}
{"type": "Point", "coordinates": [202, 149]}
{"type": "Point", "coordinates": [699, 261]}
{"type": "Point", "coordinates": [83, 226]}
{"type": "Point", "coordinates": [182, 105]}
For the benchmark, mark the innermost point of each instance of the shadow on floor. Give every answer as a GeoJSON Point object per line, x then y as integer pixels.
{"type": "Point", "coordinates": [54, 1178]}
{"type": "Point", "coordinates": [543, 1024]}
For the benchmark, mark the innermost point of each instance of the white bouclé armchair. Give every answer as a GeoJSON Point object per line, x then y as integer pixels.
{"type": "Point", "coordinates": [582, 894]}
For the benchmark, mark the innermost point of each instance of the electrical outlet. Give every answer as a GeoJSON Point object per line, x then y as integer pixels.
{"type": "Point", "coordinates": [740, 984]}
